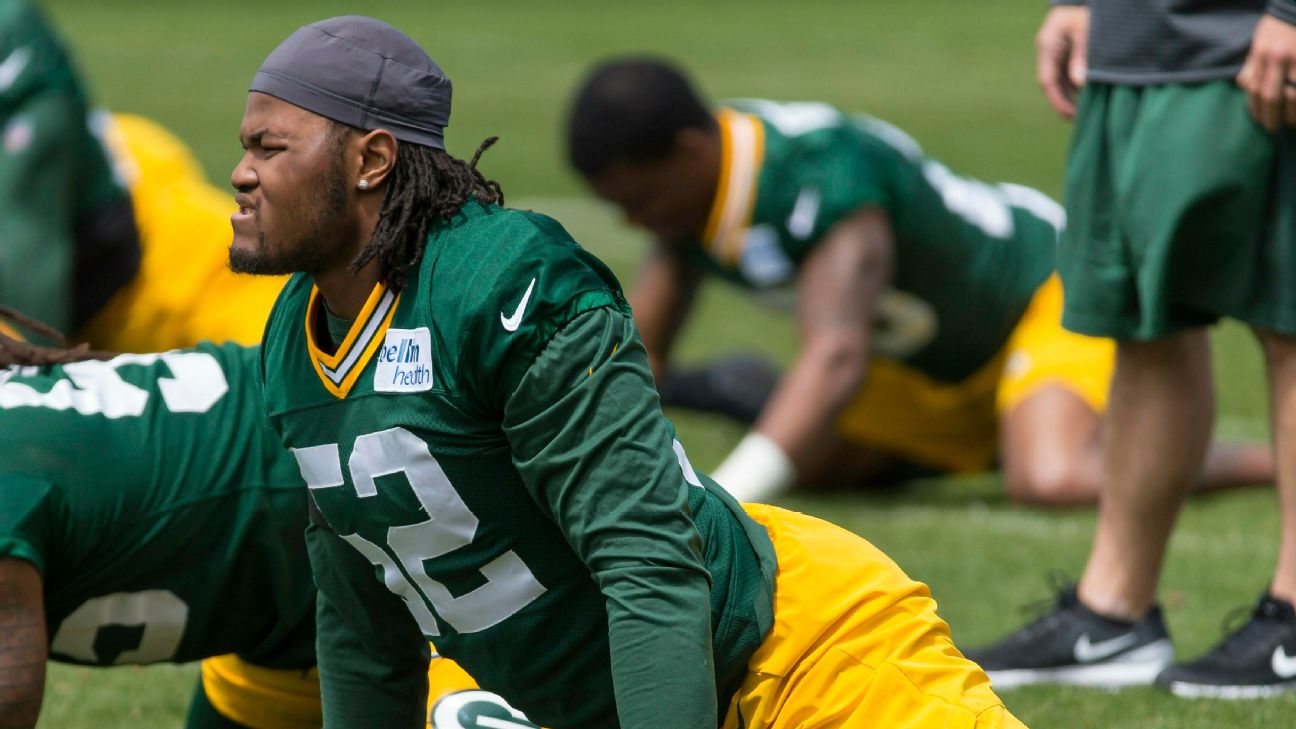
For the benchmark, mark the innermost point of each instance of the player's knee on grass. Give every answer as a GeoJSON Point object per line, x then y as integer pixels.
{"type": "Point", "coordinates": [1045, 481]}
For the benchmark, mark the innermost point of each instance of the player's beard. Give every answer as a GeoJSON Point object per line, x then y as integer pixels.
{"type": "Point", "coordinates": [323, 243]}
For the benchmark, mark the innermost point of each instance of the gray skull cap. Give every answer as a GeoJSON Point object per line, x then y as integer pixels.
{"type": "Point", "coordinates": [362, 72]}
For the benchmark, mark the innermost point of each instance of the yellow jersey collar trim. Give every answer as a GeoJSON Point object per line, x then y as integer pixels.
{"type": "Point", "coordinates": [742, 150]}
{"type": "Point", "coordinates": [339, 371]}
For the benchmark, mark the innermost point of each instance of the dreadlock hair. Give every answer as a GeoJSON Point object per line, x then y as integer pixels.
{"type": "Point", "coordinates": [426, 186]}
{"type": "Point", "coordinates": [25, 354]}
{"type": "Point", "coordinates": [630, 109]}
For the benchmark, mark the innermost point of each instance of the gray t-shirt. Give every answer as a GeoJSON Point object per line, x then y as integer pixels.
{"type": "Point", "coordinates": [1140, 42]}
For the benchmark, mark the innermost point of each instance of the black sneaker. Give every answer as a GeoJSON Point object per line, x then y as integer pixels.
{"type": "Point", "coordinates": [1256, 660]}
{"type": "Point", "coordinates": [737, 386]}
{"type": "Point", "coordinates": [1074, 645]}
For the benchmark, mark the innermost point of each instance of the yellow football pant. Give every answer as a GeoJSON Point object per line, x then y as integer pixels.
{"type": "Point", "coordinates": [855, 643]}
{"type": "Point", "coordinates": [1041, 353]}
{"type": "Point", "coordinates": [262, 698]}
{"type": "Point", "coordinates": [266, 698]}
{"type": "Point", "coordinates": [954, 426]}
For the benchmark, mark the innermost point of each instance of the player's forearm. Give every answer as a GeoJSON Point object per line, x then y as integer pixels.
{"type": "Point", "coordinates": [659, 637]}
{"type": "Point", "coordinates": [801, 415]}
{"type": "Point", "coordinates": [837, 292]}
{"type": "Point", "coordinates": [23, 649]}
{"type": "Point", "coordinates": [661, 301]}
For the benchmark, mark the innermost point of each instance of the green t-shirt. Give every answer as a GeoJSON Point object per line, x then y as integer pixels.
{"type": "Point", "coordinates": [968, 255]}
{"type": "Point", "coordinates": [55, 180]}
{"type": "Point", "coordinates": [489, 446]}
{"type": "Point", "coordinates": [164, 516]}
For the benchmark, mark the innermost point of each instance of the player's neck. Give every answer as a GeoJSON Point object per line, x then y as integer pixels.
{"type": "Point", "coordinates": [346, 293]}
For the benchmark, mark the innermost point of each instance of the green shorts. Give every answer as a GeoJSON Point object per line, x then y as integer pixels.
{"type": "Point", "coordinates": [1181, 210]}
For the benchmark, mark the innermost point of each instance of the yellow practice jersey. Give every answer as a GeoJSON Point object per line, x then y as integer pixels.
{"type": "Point", "coordinates": [184, 291]}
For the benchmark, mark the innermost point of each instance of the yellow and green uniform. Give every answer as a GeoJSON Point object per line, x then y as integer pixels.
{"type": "Point", "coordinates": [161, 511]}
{"type": "Point", "coordinates": [66, 239]}
{"type": "Point", "coordinates": [489, 469]}
{"type": "Point", "coordinates": [460, 449]}
{"type": "Point", "coordinates": [973, 264]}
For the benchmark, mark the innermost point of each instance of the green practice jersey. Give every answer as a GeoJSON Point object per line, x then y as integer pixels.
{"type": "Point", "coordinates": [491, 471]}
{"type": "Point", "coordinates": [968, 256]}
{"type": "Point", "coordinates": [163, 514]}
{"type": "Point", "coordinates": [67, 238]}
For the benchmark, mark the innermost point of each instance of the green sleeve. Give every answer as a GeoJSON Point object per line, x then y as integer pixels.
{"type": "Point", "coordinates": [591, 444]}
{"type": "Point", "coordinates": [38, 179]}
{"type": "Point", "coordinates": [372, 657]}
{"type": "Point", "coordinates": [30, 512]}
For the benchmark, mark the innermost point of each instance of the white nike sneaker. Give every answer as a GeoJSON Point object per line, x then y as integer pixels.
{"type": "Point", "coordinates": [1254, 661]}
{"type": "Point", "coordinates": [1074, 645]}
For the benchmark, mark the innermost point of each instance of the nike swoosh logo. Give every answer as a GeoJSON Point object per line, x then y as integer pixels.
{"type": "Point", "coordinates": [13, 67]}
{"type": "Point", "coordinates": [511, 322]}
{"type": "Point", "coordinates": [1283, 664]}
{"type": "Point", "coordinates": [802, 220]}
{"type": "Point", "coordinates": [1087, 652]}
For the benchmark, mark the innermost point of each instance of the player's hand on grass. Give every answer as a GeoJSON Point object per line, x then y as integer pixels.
{"type": "Point", "coordinates": [1269, 75]}
{"type": "Point", "coordinates": [1060, 48]}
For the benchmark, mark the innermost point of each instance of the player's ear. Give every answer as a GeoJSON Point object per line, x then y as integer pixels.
{"type": "Point", "coordinates": [691, 143]}
{"type": "Point", "coordinates": [378, 149]}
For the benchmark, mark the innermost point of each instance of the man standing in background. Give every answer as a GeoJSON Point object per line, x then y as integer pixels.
{"type": "Point", "coordinates": [1181, 202]}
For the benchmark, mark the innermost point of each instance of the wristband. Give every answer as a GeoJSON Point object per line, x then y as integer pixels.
{"type": "Point", "coordinates": [756, 470]}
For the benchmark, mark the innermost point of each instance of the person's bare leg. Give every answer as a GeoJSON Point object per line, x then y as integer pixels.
{"type": "Point", "coordinates": [1154, 444]}
{"type": "Point", "coordinates": [1051, 453]}
{"type": "Point", "coordinates": [1049, 449]}
{"type": "Point", "coordinates": [1280, 358]}
{"type": "Point", "coordinates": [1230, 465]}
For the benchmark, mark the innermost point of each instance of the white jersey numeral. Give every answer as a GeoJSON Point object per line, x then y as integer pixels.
{"type": "Point", "coordinates": [96, 387]}
{"type": "Point", "coordinates": [795, 118]}
{"type": "Point", "coordinates": [509, 584]}
{"type": "Point", "coordinates": [974, 201]}
{"type": "Point", "coordinates": [160, 613]}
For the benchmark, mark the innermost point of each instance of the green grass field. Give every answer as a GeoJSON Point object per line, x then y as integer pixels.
{"type": "Point", "coordinates": [956, 75]}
